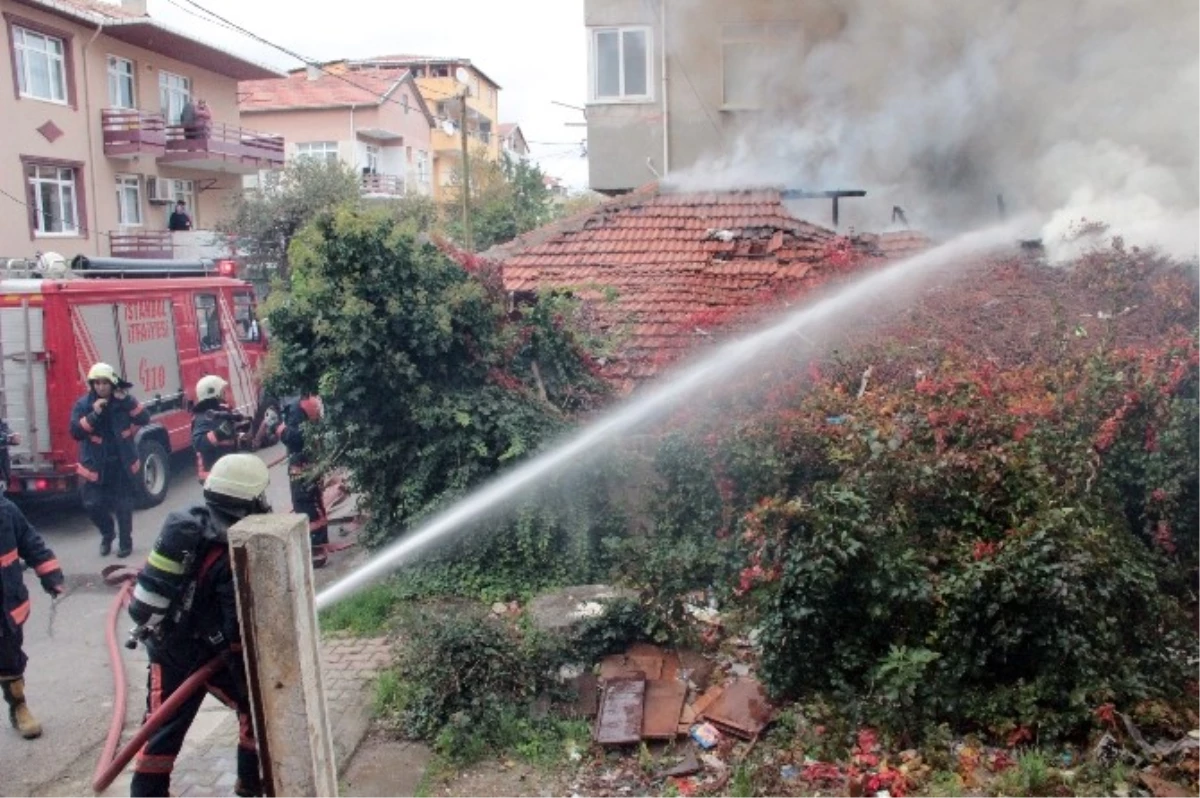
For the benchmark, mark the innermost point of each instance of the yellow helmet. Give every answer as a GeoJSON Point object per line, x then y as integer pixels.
{"type": "Point", "coordinates": [210, 387]}
{"type": "Point", "coordinates": [102, 371]}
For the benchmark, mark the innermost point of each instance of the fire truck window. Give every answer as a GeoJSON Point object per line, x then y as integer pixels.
{"type": "Point", "coordinates": [245, 322]}
{"type": "Point", "coordinates": [208, 322]}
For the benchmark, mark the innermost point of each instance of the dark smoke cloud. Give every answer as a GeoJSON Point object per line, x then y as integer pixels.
{"type": "Point", "coordinates": [1070, 108]}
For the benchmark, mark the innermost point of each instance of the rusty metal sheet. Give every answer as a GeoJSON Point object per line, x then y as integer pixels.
{"type": "Point", "coordinates": [587, 699]}
{"type": "Point", "coordinates": [619, 721]}
{"type": "Point", "coordinates": [670, 666]}
{"type": "Point", "coordinates": [616, 666]}
{"type": "Point", "coordinates": [646, 658]}
{"type": "Point", "coordinates": [663, 706]}
{"type": "Point", "coordinates": [706, 700]}
{"type": "Point", "coordinates": [742, 709]}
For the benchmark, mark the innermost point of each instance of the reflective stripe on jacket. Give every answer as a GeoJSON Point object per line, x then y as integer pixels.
{"type": "Point", "coordinates": [20, 541]}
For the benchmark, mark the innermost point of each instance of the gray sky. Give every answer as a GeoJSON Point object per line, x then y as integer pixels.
{"type": "Point", "coordinates": [535, 49]}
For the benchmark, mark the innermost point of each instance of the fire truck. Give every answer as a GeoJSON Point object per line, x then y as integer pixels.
{"type": "Point", "coordinates": [162, 324]}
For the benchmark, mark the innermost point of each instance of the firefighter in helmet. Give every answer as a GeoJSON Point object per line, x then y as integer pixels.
{"type": "Point", "coordinates": [20, 541]}
{"type": "Point", "coordinates": [104, 421]}
{"type": "Point", "coordinates": [216, 429]}
{"type": "Point", "coordinates": [197, 621]}
{"type": "Point", "coordinates": [307, 487]}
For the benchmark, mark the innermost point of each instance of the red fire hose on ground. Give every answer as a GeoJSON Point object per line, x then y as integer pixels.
{"type": "Point", "coordinates": [111, 761]}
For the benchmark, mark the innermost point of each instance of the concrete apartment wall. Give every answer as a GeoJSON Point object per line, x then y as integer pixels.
{"type": "Point", "coordinates": [695, 120]}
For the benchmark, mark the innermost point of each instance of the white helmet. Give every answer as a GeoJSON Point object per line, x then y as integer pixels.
{"type": "Point", "coordinates": [238, 480]}
{"type": "Point", "coordinates": [210, 387]}
{"type": "Point", "coordinates": [102, 371]}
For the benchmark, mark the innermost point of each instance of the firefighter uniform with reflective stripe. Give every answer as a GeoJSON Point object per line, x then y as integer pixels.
{"type": "Point", "coordinates": [20, 541]}
{"type": "Point", "coordinates": [207, 630]}
{"type": "Point", "coordinates": [108, 461]}
{"type": "Point", "coordinates": [212, 438]}
{"type": "Point", "coordinates": [306, 487]}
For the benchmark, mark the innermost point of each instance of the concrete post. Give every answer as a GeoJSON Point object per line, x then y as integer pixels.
{"type": "Point", "coordinates": [272, 569]}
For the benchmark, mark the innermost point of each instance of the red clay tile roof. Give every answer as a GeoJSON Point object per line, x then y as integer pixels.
{"type": "Point", "coordinates": [678, 262]}
{"type": "Point", "coordinates": [405, 60]}
{"type": "Point", "coordinates": [504, 128]}
{"type": "Point", "coordinates": [297, 91]}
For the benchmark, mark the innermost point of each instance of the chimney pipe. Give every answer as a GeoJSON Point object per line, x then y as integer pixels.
{"type": "Point", "coordinates": [135, 7]}
{"type": "Point", "coordinates": [313, 71]}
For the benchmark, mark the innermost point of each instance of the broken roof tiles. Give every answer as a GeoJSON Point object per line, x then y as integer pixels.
{"type": "Point", "coordinates": [671, 256]}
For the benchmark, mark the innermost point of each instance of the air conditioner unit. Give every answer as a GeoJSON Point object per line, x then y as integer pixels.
{"type": "Point", "coordinates": [158, 190]}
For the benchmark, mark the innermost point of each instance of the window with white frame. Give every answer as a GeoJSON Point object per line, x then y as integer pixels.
{"type": "Point", "coordinates": [326, 151]}
{"type": "Point", "coordinates": [404, 101]}
{"type": "Point", "coordinates": [620, 64]}
{"type": "Point", "coordinates": [372, 159]}
{"type": "Point", "coordinates": [174, 92]}
{"type": "Point", "coordinates": [129, 201]}
{"type": "Point", "coordinates": [41, 65]}
{"type": "Point", "coordinates": [120, 83]}
{"type": "Point", "coordinates": [750, 53]}
{"type": "Point", "coordinates": [55, 200]}
{"type": "Point", "coordinates": [423, 167]}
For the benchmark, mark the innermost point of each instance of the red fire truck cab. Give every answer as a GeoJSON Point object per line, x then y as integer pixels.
{"type": "Point", "coordinates": [161, 324]}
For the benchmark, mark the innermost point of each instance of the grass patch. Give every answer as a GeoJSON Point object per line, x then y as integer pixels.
{"type": "Point", "coordinates": [365, 614]}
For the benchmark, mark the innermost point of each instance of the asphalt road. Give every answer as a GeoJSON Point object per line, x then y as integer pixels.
{"type": "Point", "coordinates": [69, 682]}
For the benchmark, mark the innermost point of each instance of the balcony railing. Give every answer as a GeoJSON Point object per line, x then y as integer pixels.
{"type": "Point", "coordinates": [224, 148]}
{"type": "Point", "coordinates": [168, 245]}
{"type": "Point", "coordinates": [128, 133]}
{"type": "Point", "coordinates": [383, 185]}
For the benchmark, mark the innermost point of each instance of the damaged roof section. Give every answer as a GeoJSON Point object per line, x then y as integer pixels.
{"type": "Point", "coordinates": [680, 263]}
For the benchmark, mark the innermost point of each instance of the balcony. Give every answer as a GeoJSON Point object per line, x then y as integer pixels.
{"type": "Point", "coordinates": [130, 133]}
{"type": "Point", "coordinates": [376, 185]}
{"type": "Point", "coordinates": [168, 245]}
{"type": "Point", "coordinates": [222, 148]}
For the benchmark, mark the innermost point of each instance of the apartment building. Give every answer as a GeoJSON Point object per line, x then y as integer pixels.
{"type": "Point", "coordinates": [671, 81]}
{"type": "Point", "coordinates": [377, 124]}
{"type": "Point", "coordinates": [113, 119]}
{"type": "Point", "coordinates": [438, 80]}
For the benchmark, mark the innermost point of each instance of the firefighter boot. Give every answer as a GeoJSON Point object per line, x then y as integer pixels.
{"type": "Point", "coordinates": [18, 712]}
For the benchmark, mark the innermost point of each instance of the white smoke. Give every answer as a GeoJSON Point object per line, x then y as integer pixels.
{"type": "Point", "coordinates": [1068, 108]}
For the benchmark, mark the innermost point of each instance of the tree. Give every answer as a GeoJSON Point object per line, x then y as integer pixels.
{"type": "Point", "coordinates": [508, 197]}
{"type": "Point", "coordinates": [264, 221]}
{"type": "Point", "coordinates": [430, 383]}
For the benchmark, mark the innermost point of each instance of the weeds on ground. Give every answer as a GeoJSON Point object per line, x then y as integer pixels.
{"type": "Point", "coordinates": [363, 615]}
{"type": "Point", "coordinates": [466, 684]}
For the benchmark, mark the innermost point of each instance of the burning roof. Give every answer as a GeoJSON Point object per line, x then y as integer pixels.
{"type": "Point", "coordinates": [682, 263]}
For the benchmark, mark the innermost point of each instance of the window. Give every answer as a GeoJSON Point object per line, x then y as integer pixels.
{"type": "Point", "coordinates": [372, 159]}
{"type": "Point", "coordinates": [129, 201]}
{"type": "Point", "coordinates": [326, 151]}
{"type": "Point", "coordinates": [245, 322]}
{"type": "Point", "coordinates": [208, 322]}
{"type": "Point", "coordinates": [404, 101]}
{"type": "Point", "coordinates": [750, 53]}
{"type": "Point", "coordinates": [180, 190]}
{"type": "Point", "coordinates": [41, 65]}
{"type": "Point", "coordinates": [620, 64]}
{"type": "Point", "coordinates": [423, 167]}
{"type": "Point", "coordinates": [55, 203]}
{"type": "Point", "coordinates": [174, 92]}
{"type": "Point", "coordinates": [120, 83]}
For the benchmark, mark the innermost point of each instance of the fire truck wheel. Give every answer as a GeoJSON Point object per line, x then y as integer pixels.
{"type": "Point", "coordinates": [156, 473]}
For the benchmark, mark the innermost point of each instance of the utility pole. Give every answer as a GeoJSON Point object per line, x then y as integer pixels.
{"type": "Point", "coordinates": [466, 171]}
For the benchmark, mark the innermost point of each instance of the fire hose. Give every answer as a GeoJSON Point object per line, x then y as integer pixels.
{"type": "Point", "coordinates": [111, 761]}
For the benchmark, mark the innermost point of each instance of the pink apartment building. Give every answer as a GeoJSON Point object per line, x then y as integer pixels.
{"type": "Point", "coordinates": [378, 125]}
{"type": "Point", "coordinates": [105, 131]}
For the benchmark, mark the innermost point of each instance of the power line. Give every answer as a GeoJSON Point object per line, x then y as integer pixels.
{"type": "Point", "coordinates": [17, 200]}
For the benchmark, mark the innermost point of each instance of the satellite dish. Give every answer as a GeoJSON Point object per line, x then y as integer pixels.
{"type": "Point", "coordinates": [449, 127]}
{"type": "Point", "coordinates": [462, 76]}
